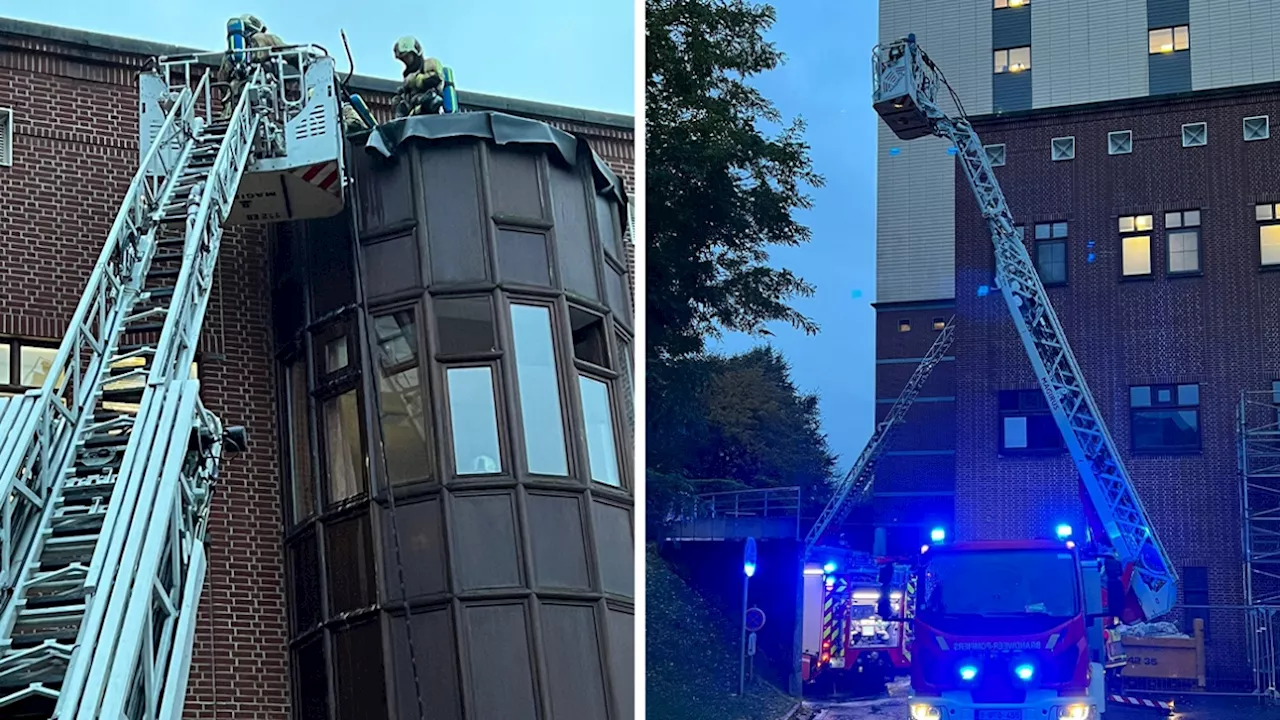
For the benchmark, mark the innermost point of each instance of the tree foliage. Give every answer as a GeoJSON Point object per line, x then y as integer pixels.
{"type": "Point", "coordinates": [719, 189]}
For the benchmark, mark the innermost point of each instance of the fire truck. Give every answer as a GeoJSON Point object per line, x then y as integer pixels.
{"type": "Point", "coordinates": [1019, 630]}
{"type": "Point", "coordinates": [853, 638]}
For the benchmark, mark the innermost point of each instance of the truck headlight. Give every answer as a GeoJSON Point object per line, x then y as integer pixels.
{"type": "Point", "coordinates": [1078, 711]}
{"type": "Point", "coordinates": [921, 711]}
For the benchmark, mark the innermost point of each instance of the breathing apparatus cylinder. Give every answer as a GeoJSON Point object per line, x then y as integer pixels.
{"type": "Point", "coordinates": [236, 42]}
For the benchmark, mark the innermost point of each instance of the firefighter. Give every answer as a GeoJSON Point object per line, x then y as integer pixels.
{"type": "Point", "coordinates": [230, 71]}
{"type": "Point", "coordinates": [421, 93]}
{"type": "Point", "coordinates": [351, 120]}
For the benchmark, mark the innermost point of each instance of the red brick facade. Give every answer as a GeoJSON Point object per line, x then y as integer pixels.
{"type": "Point", "coordinates": [74, 153]}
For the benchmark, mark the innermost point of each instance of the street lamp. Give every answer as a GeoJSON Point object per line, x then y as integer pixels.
{"type": "Point", "coordinates": [748, 570]}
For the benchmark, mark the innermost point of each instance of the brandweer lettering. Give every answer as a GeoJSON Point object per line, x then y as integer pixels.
{"type": "Point", "coordinates": [999, 645]}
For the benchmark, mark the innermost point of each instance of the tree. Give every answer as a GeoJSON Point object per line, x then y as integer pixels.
{"type": "Point", "coordinates": [719, 190]}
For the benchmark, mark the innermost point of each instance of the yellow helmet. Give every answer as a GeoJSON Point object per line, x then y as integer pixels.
{"type": "Point", "coordinates": [407, 46]}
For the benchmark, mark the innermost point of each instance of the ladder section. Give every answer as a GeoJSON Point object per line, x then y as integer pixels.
{"type": "Point", "coordinates": [117, 462]}
{"type": "Point", "coordinates": [906, 87]}
{"type": "Point", "coordinates": [858, 481]}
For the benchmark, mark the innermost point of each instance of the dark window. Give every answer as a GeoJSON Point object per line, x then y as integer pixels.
{"type": "Point", "coordinates": [1195, 591]}
{"type": "Point", "coordinates": [1051, 252]}
{"type": "Point", "coordinates": [1183, 231]}
{"type": "Point", "coordinates": [360, 684]}
{"type": "Point", "coordinates": [588, 337]}
{"type": "Point", "coordinates": [1026, 424]}
{"type": "Point", "coordinates": [406, 436]}
{"type": "Point", "coordinates": [344, 451]}
{"type": "Point", "coordinates": [304, 564]}
{"type": "Point", "coordinates": [310, 680]}
{"type": "Point", "coordinates": [303, 481]}
{"type": "Point", "coordinates": [1165, 418]}
{"type": "Point", "coordinates": [349, 561]}
{"type": "Point", "coordinates": [466, 325]}
{"type": "Point", "coordinates": [1268, 216]}
{"type": "Point", "coordinates": [628, 385]}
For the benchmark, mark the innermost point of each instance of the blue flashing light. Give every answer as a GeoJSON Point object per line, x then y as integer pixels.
{"type": "Point", "coordinates": [968, 672]}
{"type": "Point", "coordinates": [984, 290]}
{"type": "Point", "coordinates": [1091, 257]}
{"type": "Point", "coordinates": [749, 569]}
{"type": "Point", "coordinates": [895, 151]}
{"type": "Point", "coordinates": [829, 568]}
{"type": "Point", "coordinates": [1024, 672]}
{"type": "Point", "coordinates": [937, 534]}
{"type": "Point", "coordinates": [952, 150]}
{"type": "Point", "coordinates": [1064, 531]}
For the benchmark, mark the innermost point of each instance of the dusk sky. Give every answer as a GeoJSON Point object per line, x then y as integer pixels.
{"type": "Point", "coordinates": [568, 52]}
{"type": "Point", "coordinates": [827, 81]}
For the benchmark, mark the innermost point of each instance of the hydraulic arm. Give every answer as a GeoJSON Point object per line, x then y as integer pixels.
{"type": "Point", "coordinates": [906, 86]}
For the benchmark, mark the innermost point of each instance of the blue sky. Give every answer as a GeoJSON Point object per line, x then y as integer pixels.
{"type": "Point", "coordinates": [827, 81]}
{"type": "Point", "coordinates": [568, 52]}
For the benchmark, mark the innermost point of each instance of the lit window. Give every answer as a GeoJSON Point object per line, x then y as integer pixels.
{"type": "Point", "coordinates": [473, 420]}
{"type": "Point", "coordinates": [24, 366]}
{"type": "Point", "coordinates": [1051, 252]}
{"type": "Point", "coordinates": [1165, 418]}
{"type": "Point", "coordinates": [1136, 251]}
{"type": "Point", "coordinates": [597, 415]}
{"type": "Point", "coordinates": [1012, 60]}
{"type": "Point", "coordinates": [1027, 424]}
{"type": "Point", "coordinates": [1168, 40]}
{"type": "Point", "coordinates": [539, 390]}
{"type": "Point", "coordinates": [1268, 216]}
{"type": "Point", "coordinates": [904, 326]}
{"type": "Point", "coordinates": [1183, 241]}
{"type": "Point", "coordinates": [939, 323]}
{"type": "Point", "coordinates": [1135, 223]}
{"type": "Point", "coordinates": [1002, 4]}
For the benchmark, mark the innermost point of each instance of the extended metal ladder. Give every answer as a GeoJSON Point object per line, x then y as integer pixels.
{"type": "Point", "coordinates": [905, 88]}
{"type": "Point", "coordinates": [106, 471]}
{"type": "Point", "coordinates": [858, 481]}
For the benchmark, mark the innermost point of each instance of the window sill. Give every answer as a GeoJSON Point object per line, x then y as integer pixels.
{"type": "Point", "coordinates": [1269, 268]}
{"type": "Point", "coordinates": [1166, 451]}
{"type": "Point", "coordinates": [1193, 274]}
{"type": "Point", "coordinates": [1053, 284]}
{"type": "Point", "coordinates": [1015, 454]}
{"type": "Point", "coordinates": [1137, 278]}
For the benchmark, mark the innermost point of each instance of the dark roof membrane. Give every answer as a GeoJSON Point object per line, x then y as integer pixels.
{"type": "Point", "coordinates": [501, 129]}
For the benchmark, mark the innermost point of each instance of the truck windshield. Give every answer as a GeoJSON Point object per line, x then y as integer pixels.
{"type": "Point", "coordinates": [993, 583]}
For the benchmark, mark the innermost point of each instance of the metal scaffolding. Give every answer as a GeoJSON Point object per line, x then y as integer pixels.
{"type": "Point", "coordinates": [1259, 459]}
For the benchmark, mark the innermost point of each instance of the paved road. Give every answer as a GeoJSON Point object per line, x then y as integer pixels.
{"type": "Point", "coordinates": [895, 708]}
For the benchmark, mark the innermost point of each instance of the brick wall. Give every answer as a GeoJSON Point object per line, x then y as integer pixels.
{"type": "Point", "coordinates": [74, 152]}
{"type": "Point", "coordinates": [1217, 329]}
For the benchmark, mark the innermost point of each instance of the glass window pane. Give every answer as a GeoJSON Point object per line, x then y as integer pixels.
{"type": "Point", "coordinates": [1015, 432]}
{"type": "Point", "coordinates": [1126, 224]}
{"type": "Point", "coordinates": [1269, 238]}
{"type": "Point", "coordinates": [405, 438]}
{"type": "Point", "coordinates": [1159, 41]}
{"type": "Point", "coordinates": [311, 693]}
{"type": "Point", "coordinates": [1140, 396]}
{"type": "Point", "coordinates": [304, 560]}
{"type": "Point", "coordinates": [34, 365]}
{"type": "Point", "coordinates": [588, 337]}
{"type": "Point", "coordinates": [628, 384]}
{"type": "Point", "coordinates": [304, 488]}
{"type": "Point", "coordinates": [1142, 223]}
{"type": "Point", "coordinates": [1184, 251]}
{"type": "Point", "coordinates": [1164, 396]}
{"type": "Point", "coordinates": [1042, 232]}
{"type": "Point", "coordinates": [1002, 61]}
{"type": "Point", "coordinates": [466, 325]}
{"type": "Point", "coordinates": [1137, 255]}
{"type": "Point", "coordinates": [597, 415]}
{"type": "Point", "coordinates": [6, 364]}
{"type": "Point", "coordinates": [1188, 394]}
{"type": "Point", "coordinates": [335, 354]}
{"type": "Point", "coordinates": [1060, 230]}
{"type": "Point", "coordinates": [1181, 37]}
{"type": "Point", "coordinates": [1191, 218]}
{"type": "Point", "coordinates": [349, 555]}
{"type": "Point", "coordinates": [1173, 220]}
{"type": "Point", "coordinates": [540, 411]}
{"type": "Point", "coordinates": [474, 421]}
{"type": "Point", "coordinates": [344, 453]}
{"type": "Point", "coordinates": [1020, 59]}
{"type": "Point", "coordinates": [1262, 212]}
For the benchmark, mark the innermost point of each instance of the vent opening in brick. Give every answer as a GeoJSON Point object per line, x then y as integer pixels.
{"type": "Point", "coordinates": [1064, 148]}
{"type": "Point", "coordinates": [1195, 134]}
{"type": "Point", "coordinates": [995, 154]}
{"type": "Point", "coordinates": [1257, 128]}
{"type": "Point", "coordinates": [1120, 142]}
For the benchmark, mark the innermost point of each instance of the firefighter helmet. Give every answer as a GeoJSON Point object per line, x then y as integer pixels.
{"type": "Point", "coordinates": [408, 46]}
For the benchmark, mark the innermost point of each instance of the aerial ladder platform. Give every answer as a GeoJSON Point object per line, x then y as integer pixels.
{"type": "Point", "coordinates": [906, 89]}
{"type": "Point", "coordinates": [107, 471]}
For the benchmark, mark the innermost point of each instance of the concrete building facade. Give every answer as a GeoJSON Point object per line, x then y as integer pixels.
{"type": "Point", "coordinates": [68, 149]}
{"type": "Point", "coordinates": [1134, 146]}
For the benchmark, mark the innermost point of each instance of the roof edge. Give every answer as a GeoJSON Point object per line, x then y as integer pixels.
{"type": "Point", "coordinates": [1136, 102]}
{"type": "Point", "coordinates": [148, 48]}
